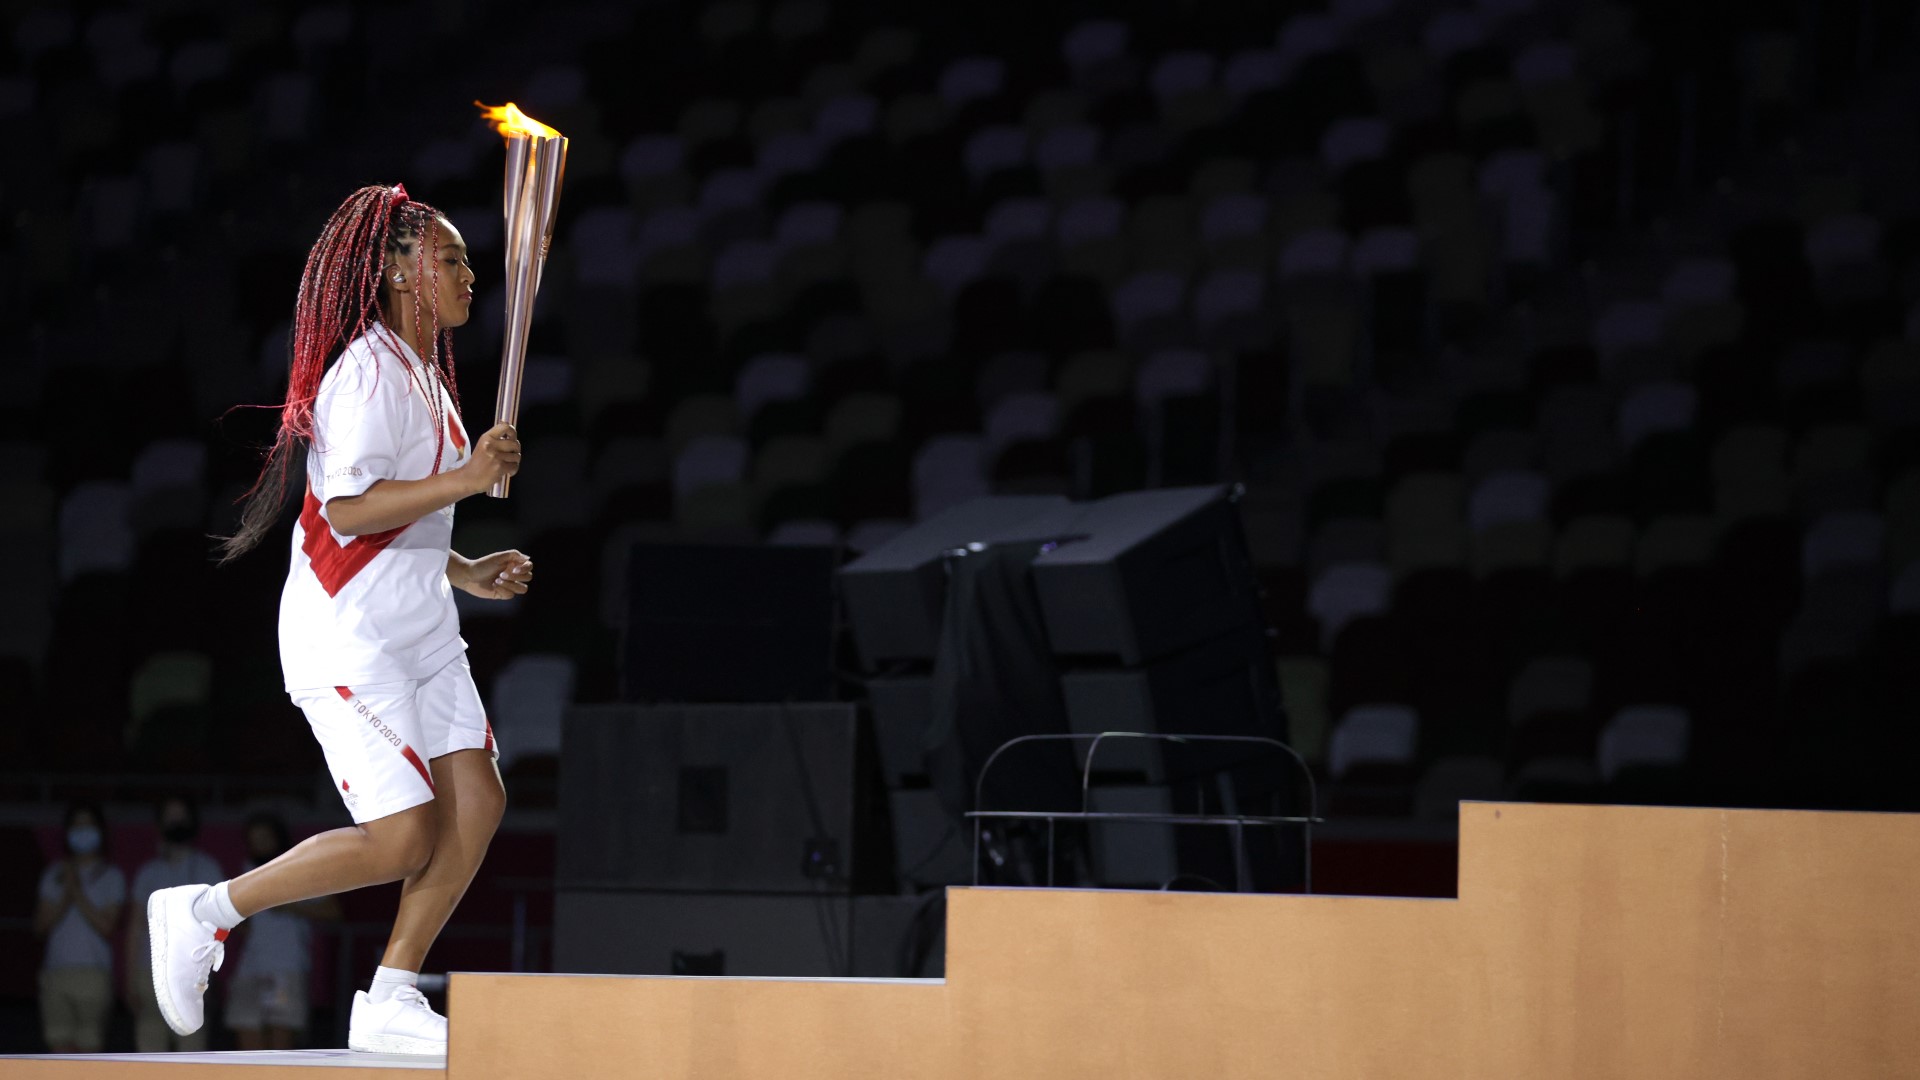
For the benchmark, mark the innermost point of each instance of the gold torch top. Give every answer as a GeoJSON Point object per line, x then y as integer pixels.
{"type": "Point", "coordinates": [510, 122]}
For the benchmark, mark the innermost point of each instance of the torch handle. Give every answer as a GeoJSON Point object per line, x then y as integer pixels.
{"type": "Point", "coordinates": [519, 235]}
{"type": "Point", "coordinates": [541, 166]}
{"type": "Point", "coordinates": [506, 409]}
{"type": "Point", "coordinates": [534, 169]}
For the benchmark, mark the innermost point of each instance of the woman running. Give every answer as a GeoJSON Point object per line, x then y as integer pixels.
{"type": "Point", "coordinates": [369, 639]}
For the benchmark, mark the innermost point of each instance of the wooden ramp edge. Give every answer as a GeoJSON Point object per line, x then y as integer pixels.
{"type": "Point", "coordinates": [255, 1065]}
{"type": "Point", "coordinates": [1588, 941]}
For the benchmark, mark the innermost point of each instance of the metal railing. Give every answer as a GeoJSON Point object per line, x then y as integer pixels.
{"type": "Point", "coordinates": [1236, 824]}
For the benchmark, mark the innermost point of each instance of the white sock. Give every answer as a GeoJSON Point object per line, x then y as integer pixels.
{"type": "Point", "coordinates": [216, 907]}
{"type": "Point", "coordinates": [386, 980]}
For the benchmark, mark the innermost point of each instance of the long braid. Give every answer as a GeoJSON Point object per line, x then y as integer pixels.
{"type": "Point", "coordinates": [338, 302]}
{"type": "Point", "coordinates": [439, 341]}
{"type": "Point", "coordinates": [425, 224]}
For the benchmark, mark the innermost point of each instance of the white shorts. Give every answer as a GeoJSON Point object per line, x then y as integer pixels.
{"type": "Point", "coordinates": [379, 737]}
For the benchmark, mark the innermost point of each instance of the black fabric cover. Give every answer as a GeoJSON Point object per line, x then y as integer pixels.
{"type": "Point", "coordinates": [993, 680]}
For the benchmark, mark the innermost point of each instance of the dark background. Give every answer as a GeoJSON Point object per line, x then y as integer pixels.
{"type": "Point", "coordinates": [1566, 349]}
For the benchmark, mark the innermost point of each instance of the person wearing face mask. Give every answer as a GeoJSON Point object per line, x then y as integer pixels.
{"type": "Point", "coordinates": [81, 897]}
{"type": "Point", "coordinates": [267, 999]}
{"type": "Point", "coordinates": [178, 863]}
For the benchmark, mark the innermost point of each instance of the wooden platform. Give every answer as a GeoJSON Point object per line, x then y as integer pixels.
{"type": "Point", "coordinates": [1587, 942]}
{"type": "Point", "coordinates": [1592, 942]}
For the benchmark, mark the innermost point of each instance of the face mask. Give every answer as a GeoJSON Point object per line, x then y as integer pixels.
{"type": "Point", "coordinates": [177, 832]}
{"type": "Point", "coordinates": [83, 839]}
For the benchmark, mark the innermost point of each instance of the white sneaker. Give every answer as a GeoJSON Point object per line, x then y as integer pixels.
{"type": "Point", "coordinates": [185, 953]}
{"type": "Point", "coordinates": [402, 1024]}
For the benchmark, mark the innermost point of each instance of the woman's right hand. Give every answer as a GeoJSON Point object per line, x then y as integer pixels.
{"type": "Point", "coordinates": [495, 458]}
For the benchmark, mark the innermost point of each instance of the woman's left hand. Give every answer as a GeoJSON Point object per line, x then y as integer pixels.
{"type": "Point", "coordinates": [502, 575]}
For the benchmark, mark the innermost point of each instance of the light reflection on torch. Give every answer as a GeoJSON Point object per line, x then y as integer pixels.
{"type": "Point", "coordinates": [536, 163]}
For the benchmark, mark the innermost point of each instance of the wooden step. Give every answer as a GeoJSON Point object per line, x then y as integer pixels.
{"type": "Point", "coordinates": [1588, 941]}
{"type": "Point", "coordinates": [1627, 942]}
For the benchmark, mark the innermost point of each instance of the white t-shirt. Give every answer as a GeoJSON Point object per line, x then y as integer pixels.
{"type": "Point", "coordinates": [375, 608]}
{"type": "Point", "coordinates": [74, 943]}
{"type": "Point", "coordinates": [193, 867]}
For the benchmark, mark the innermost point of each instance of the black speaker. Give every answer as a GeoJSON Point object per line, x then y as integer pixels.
{"type": "Point", "coordinates": [895, 592]}
{"type": "Point", "coordinates": [717, 622]}
{"type": "Point", "coordinates": [902, 713]}
{"type": "Point", "coordinates": [1227, 686]}
{"type": "Point", "coordinates": [1136, 576]}
{"type": "Point", "coordinates": [708, 797]}
{"type": "Point", "coordinates": [1155, 572]}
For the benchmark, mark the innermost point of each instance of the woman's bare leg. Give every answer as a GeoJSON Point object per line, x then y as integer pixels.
{"type": "Point", "coordinates": [469, 802]}
{"type": "Point", "coordinates": [391, 848]}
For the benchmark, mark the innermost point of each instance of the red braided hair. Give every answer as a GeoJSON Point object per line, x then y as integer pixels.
{"type": "Point", "coordinates": [340, 301]}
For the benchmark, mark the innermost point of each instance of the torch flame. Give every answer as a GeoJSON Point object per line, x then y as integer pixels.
{"type": "Point", "coordinates": [509, 121]}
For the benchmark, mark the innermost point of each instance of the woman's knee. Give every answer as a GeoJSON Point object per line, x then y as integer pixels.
{"type": "Point", "coordinates": [495, 802]}
{"type": "Point", "coordinates": [404, 841]}
{"type": "Point", "coordinates": [478, 797]}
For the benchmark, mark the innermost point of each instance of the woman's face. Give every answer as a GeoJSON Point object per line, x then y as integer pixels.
{"type": "Point", "coordinates": [449, 261]}
{"type": "Point", "coordinates": [83, 833]}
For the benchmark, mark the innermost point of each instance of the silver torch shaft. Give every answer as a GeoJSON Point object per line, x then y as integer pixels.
{"type": "Point", "coordinates": [535, 167]}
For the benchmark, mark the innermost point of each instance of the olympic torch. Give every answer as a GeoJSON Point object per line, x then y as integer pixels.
{"type": "Point", "coordinates": [536, 162]}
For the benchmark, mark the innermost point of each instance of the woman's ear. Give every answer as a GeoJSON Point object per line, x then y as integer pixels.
{"type": "Point", "coordinates": [397, 278]}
